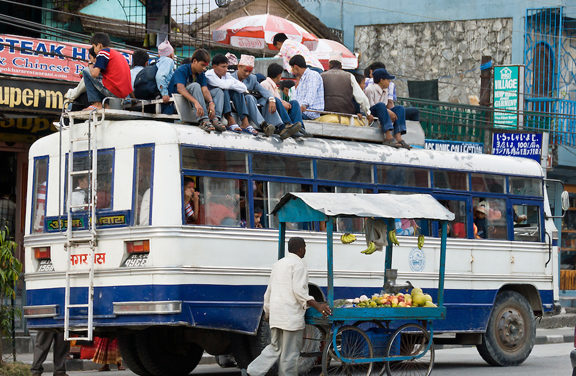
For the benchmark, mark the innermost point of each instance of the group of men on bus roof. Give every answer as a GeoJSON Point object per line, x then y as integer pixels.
{"type": "Point", "coordinates": [249, 102]}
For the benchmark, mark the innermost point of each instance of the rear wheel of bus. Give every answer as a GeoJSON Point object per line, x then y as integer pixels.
{"type": "Point", "coordinates": [511, 331]}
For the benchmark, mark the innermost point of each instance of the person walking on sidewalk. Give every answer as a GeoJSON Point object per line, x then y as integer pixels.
{"type": "Point", "coordinates": [42, 345]}
{"type": "Point", "coordinates": [285, 303]}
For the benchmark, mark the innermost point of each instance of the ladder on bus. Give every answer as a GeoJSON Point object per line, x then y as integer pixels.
{"type": "Point", "coordinates": [81, 138]}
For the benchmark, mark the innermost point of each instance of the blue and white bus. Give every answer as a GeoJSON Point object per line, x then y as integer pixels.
{"type": "Point", "coordinates": [171, 290]}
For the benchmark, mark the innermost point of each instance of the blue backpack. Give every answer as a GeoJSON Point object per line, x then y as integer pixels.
{"type": "Point", "coordinates": [145, 83]}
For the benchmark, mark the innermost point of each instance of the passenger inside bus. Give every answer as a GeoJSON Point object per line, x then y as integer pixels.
{"type": "Point", "coordinates": [80, 193]}
{"type": "Point", "coordinates": [480, 212]}
{"type": "Point", "coordinates": [191, 201]}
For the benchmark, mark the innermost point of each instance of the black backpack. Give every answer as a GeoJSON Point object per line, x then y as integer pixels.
{"type": "Point", "coordinates": [145, 86]}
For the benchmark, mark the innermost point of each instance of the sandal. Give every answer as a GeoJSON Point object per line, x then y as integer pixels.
{"type": "Point", "coordinates": [92, 108]}
{"type": "Point", "coordinates": [250, 129]}
{"type": "Point", "coordinates": [234, 128]}
{"type": "Point", "coordinates": [404, 145]}
{"type": "Point", "coordinates": [391, 142]}
{"type": "Point", "coordinates": [218, 125]}
{"type": "Point", "coordinates": [206, 126]}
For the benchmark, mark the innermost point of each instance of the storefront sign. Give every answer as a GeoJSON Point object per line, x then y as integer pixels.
{"type": "Point", "coordinates": [43, 58]}
{"type": "Point", "coordinates": [527, 145]}
{"type": "Point", "coordinates": [35, 96]}
{"type": "Point", "coordinates": [25, 129]}
{"type": "Point", "coordinates": [456, 146]}
{"type": "Point", "coordinates": [508, 98]}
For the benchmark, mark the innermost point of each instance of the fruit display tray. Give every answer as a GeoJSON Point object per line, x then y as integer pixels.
{"type": "Point", "coordinates": [378, 313]}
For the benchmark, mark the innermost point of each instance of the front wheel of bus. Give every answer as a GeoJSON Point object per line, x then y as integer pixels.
{"type": "Point", "coordinates": [511, 331]}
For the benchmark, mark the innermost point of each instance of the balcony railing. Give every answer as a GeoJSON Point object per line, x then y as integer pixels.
{"type": "Point", "coordinates": [460, 122]}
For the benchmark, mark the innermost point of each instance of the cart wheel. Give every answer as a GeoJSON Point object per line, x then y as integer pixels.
{"type": "Point", "coordinates": [352, 343]}
{"type": "Point", "coordinates": [409, 340]}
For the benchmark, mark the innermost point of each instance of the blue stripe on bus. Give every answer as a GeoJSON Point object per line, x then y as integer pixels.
{"type": "Point", "coordinates": [238, 308]}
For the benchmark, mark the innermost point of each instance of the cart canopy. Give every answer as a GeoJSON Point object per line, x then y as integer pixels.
{"type": "Point", "coordinates": [304, 207]}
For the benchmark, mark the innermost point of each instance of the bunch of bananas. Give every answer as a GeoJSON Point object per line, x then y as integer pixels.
{"type": "Point", "coordinates": [347, 238]}
{"type": "Point", "coordinates": [393, 238]}
{"type": "Point", "coordinates": [420, 241]}
{"type": "Point", "coordinates": [371, 249]}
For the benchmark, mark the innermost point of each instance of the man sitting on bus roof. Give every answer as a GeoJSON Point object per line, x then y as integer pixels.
{"type": "Point", "coordinates": [189, 81]}
{"type": "Point", "coordinates": [269, 120]}
{"type": "Point", "coordinates": [309, 90]}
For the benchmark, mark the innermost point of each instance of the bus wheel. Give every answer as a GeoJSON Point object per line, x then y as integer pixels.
{"type": "Point", "coordinates": [511, 331]}
{"type": "Point", "coordinates": [127, 345]}
{"type": "Point", "coordinates": [163, 352]}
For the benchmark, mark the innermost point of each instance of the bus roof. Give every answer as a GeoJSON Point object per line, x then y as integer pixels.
{"type": "Point", "coordinates": [126, 133]}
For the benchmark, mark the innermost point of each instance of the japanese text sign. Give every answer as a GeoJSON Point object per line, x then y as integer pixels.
{"type": "Point", "coordinates": [527, 145]}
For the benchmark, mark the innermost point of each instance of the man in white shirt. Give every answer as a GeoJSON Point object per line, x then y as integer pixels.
{"type": "Point", "coordinates": [285, 303]}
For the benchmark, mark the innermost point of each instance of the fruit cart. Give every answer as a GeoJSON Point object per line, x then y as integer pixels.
{"type": "Point", "coordinates": [359, 340]}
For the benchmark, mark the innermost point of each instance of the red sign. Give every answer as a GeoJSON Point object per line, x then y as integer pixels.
{"type": "Point", "coordinates": [43, 58]}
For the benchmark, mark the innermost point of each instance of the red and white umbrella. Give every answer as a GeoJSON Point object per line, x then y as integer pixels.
{"type": "Point", "coordinates": [327, 50]}
{"type": "Point", "coordinates": [258, 32]}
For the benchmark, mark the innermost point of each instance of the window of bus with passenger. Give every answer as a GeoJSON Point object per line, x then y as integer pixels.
{"type": "Point", "coordinates": [490, 218]}
{"type": "Point", "coordinates": [39, 193]}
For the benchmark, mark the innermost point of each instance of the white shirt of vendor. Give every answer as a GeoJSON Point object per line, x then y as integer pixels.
{"type": "Point", "coordinates": [287, 293]}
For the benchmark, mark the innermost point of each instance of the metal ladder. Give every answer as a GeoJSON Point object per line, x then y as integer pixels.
{"type": "Point", "coordinates": [74, 240]}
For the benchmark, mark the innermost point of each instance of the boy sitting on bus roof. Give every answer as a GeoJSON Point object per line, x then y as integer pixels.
{"type": "Point", "coordinates": [109, 76]}
{"type": "Point", "coordinates": [268, 120]}
{"type": "Point", "coordinates": [219, 80]}
{"type": "Point", "coordinates": [393, 121]}
{"type": "Point", "coordinates": [189, 81]}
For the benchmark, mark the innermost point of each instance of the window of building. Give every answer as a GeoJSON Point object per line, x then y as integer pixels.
{"type": "Point", "coordinates": [403, 176]}
{"type": "Point", "coordinates": [39, 190]}
{"type": "Point", "coordinates": [142, 202]}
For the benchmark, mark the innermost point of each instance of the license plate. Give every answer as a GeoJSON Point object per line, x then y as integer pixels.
{"type": "Point", "coordinates": [46, 266]}
{"type": "Point", "coordinates": [137, 260]}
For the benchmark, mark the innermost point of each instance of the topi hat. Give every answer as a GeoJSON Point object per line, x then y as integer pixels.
{"type": "Point", "coordinates": [165, 48]}
{"type": "Point", "coordinates": [246, 60]}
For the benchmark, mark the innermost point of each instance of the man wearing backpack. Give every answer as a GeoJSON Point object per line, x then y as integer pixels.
{"type": "Point", "coordinates": [109, 76]}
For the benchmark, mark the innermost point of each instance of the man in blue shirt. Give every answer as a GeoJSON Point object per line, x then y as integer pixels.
{"type": "Point", "coordinates": [269, 120]}
{"type": "Point", "coordinates": [310, 90]}
{"type": "Point", "coordinates": [189, 81]}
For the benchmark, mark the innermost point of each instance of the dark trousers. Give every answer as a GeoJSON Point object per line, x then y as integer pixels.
{"type": "Point", "coordinates": [381, 112]}
{"type": "Point", "coordinates": [42, 345]}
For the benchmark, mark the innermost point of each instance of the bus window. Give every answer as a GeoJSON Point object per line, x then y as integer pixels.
{"type": "Point", "coordinates": [525, 186]}
{"type": "Point", "coordinates": [213, 160]}
{"type": "Point", "coordinates": [488, 183]}
{"type": "Point", "coordinates": [490, 218]}
{"type": "Point", "coordinates": [526, 223]}
{"type": "Point", "coordinates": [450, 180]}
{"type": "Point", "coordinates": [279, 165]}
{"type": "Point", "coordinates": [222, 202]}
{"type": "Point", "coordinates": [458, 228]}
{"type": "Point", "coordinates": [271, 193]}
{"type": "Point", "coordinates": [142, 185]}
{"type": "Point", "coordinates": [39, 193]}
{"type": "Point", "coordinates": [344, 171]}
{"type": "Point", "coordinates": [81, 183]}
{"type": "Point", "coordinates": [404, 176]}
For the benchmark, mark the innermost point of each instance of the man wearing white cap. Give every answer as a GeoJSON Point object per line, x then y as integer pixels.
{"type": "Point", "coordinates": [269, 120]}
{"type": "Point", "coordinates": [165, 66]}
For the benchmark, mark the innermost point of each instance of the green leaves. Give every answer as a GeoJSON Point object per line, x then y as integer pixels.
{"type": "Point", "coordinates": [10, 266]}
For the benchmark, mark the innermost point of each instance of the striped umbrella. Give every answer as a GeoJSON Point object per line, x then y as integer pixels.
{"type": "Point", "coordinates": [331, 50]}
{"type": "Point", "coordinates": [258, 32]}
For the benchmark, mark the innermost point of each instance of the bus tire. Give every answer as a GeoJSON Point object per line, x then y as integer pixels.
{"type": "Point", "coordinates": [511, 331]}
{"type": "Point", "coordinates": [163, 352]}
{"type": "Point", "coordinates": [130, 355]}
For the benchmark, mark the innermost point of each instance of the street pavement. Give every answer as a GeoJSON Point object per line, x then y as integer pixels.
{"type": "Point", "coordinates": [548, 359]}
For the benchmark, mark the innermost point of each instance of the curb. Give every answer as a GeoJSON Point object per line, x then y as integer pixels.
{"type": "Point", "coordinates": [554, 338]}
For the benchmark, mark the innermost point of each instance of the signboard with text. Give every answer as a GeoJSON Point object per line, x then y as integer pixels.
{"type": "Point", "coordinates": [32, 96]}
{"type": "Point", "coordinates": [43, 58]}
{"type": "Point", "coordinates": [527, 145]}
{"type": "Point", "coordinates": [508, 98]}
{"type": "Point", "coordinates": [455, 146]}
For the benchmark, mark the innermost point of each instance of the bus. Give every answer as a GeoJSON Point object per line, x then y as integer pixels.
{"type": "Point", "coordinates": [182, 243]}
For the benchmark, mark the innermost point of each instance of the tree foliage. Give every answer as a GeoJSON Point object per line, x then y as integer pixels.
{"type": "Point", "coordinates": [10, 269]}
